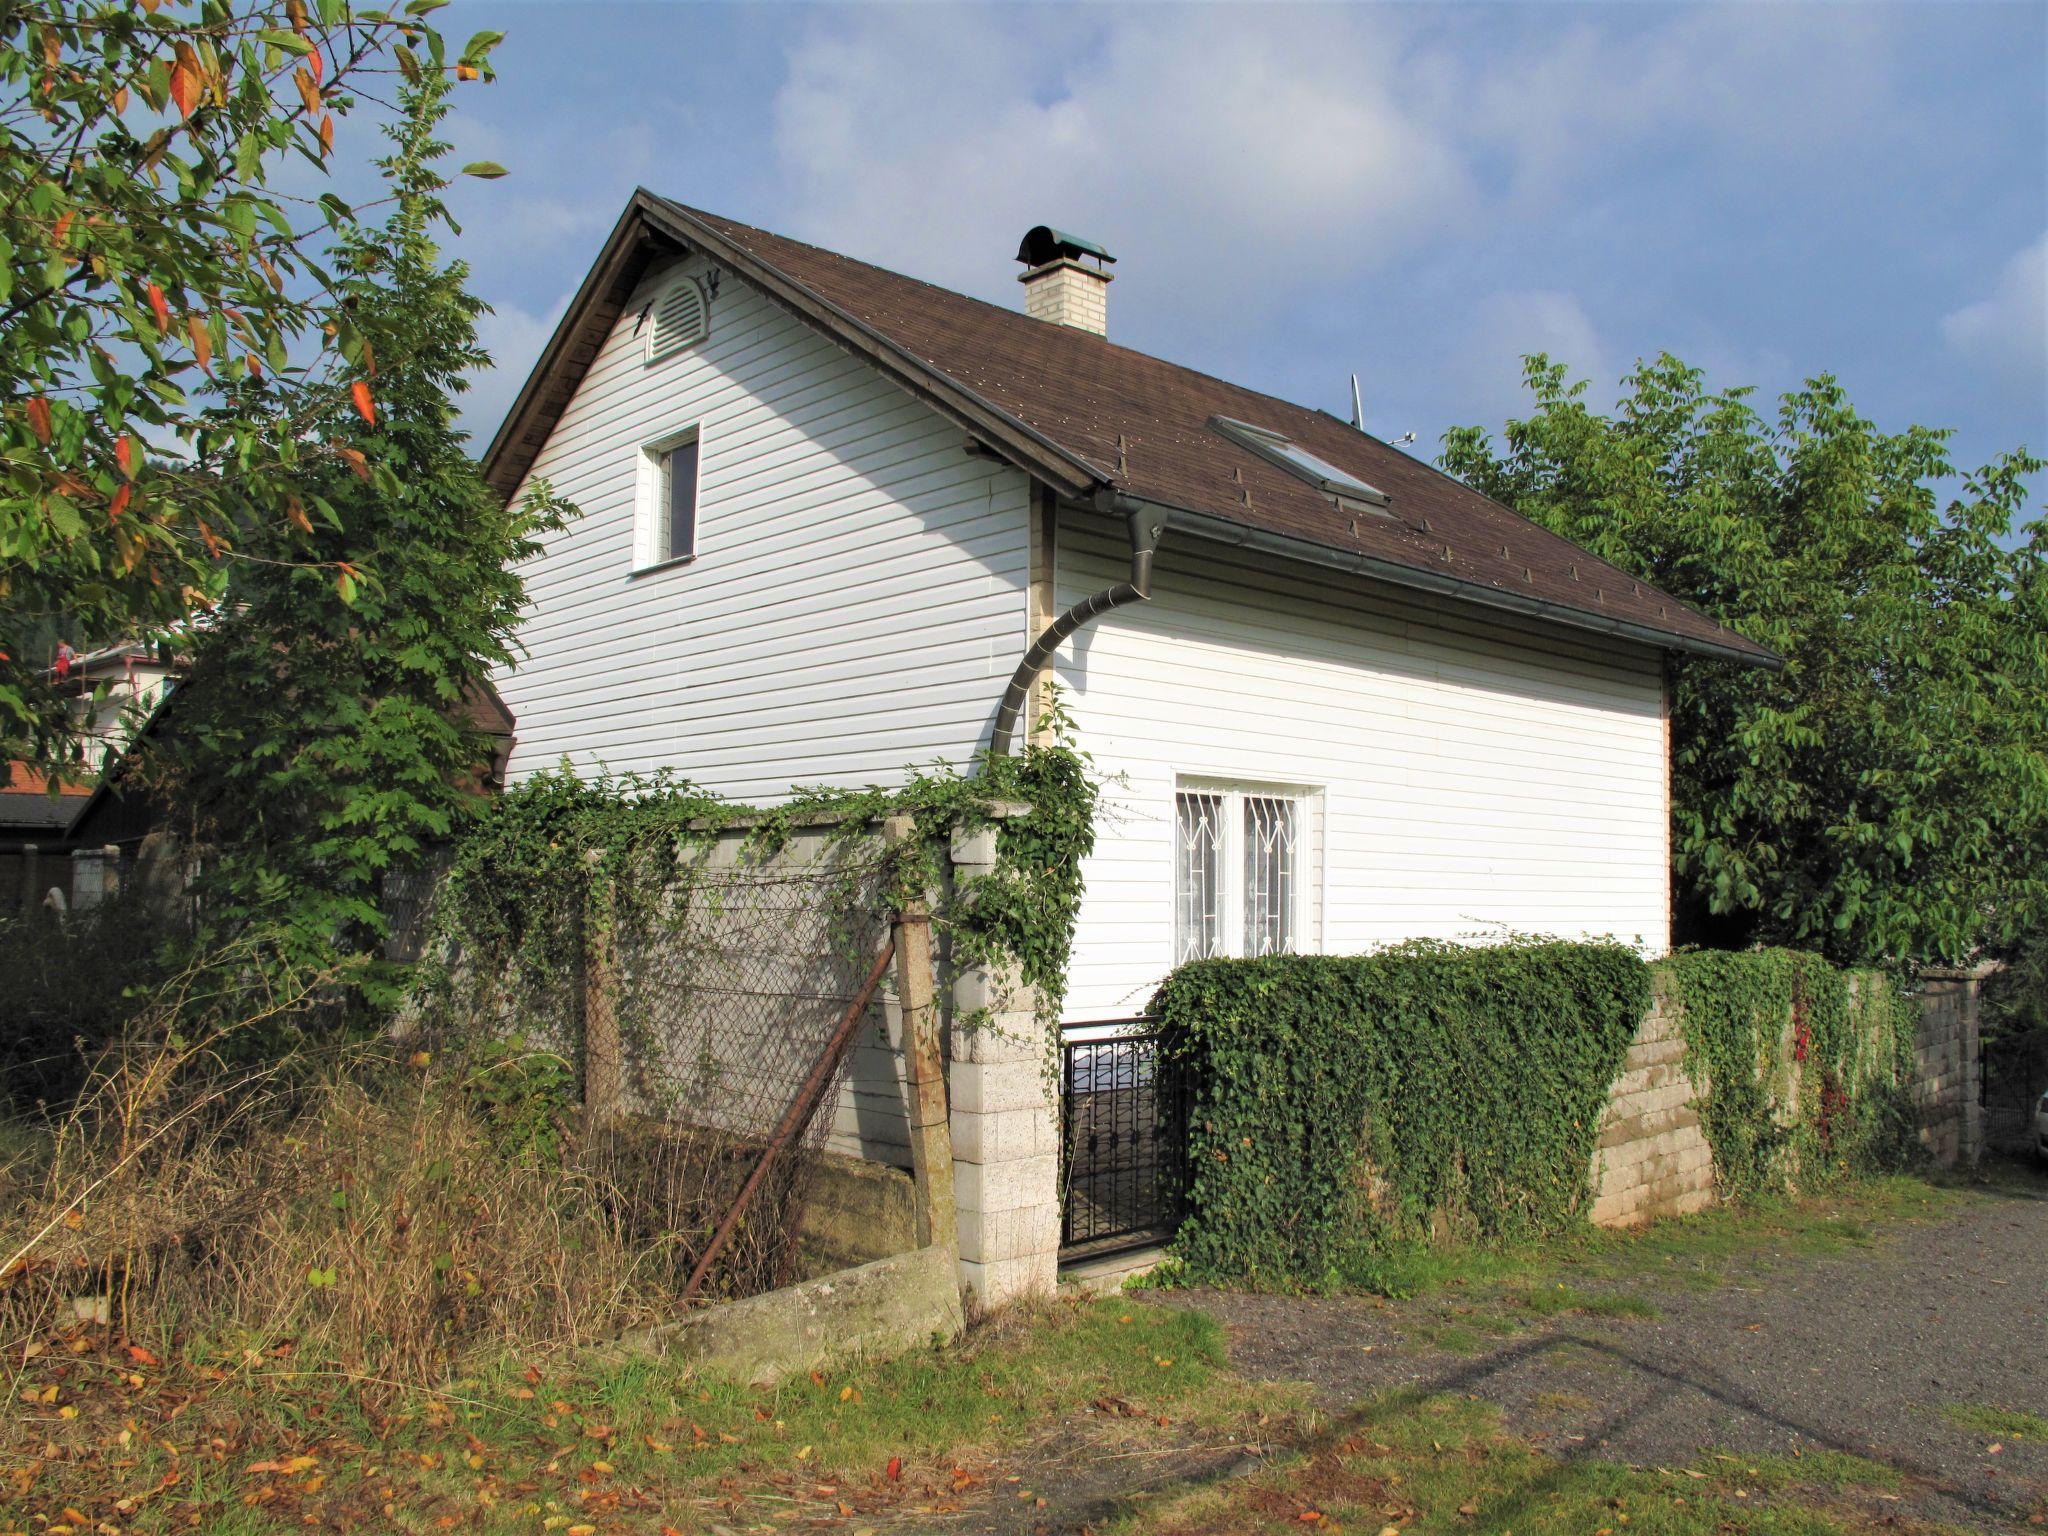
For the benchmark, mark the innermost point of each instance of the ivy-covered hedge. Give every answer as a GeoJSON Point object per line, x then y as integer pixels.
{"type": "Point", "coordinates": [1804, 1072]}
{"type": "Point", "coordinates": [1425, 1088]}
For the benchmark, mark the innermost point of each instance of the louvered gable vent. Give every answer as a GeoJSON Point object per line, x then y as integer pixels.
{"type": "Point", "coordinates": [680, 319]}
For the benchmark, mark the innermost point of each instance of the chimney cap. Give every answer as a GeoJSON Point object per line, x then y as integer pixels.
{"type": "Point", "coordinates": [1044, 244]}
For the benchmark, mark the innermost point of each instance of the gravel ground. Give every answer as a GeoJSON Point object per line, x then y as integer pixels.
{"type": "Point", "coordinates": [1857, 1353]}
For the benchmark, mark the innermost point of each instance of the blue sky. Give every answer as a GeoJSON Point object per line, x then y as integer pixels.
{"type": "Point", "coordinates": [1415, 194]}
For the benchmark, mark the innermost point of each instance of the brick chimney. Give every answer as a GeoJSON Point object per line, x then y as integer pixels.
{"type": "Point", "coordinates": [1065, 279]}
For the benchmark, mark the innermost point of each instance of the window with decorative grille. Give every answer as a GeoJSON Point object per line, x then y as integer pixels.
{"type": "Point", "coordinates": [1241, 871]}
{"type": "Point", "coordinates": [1271, 830]}
{"type": "Point", "coordinates": [1198, 877]}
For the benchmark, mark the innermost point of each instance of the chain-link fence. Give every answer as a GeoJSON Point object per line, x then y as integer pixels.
{"type": "Point", "coordinates": [731, 1040]}
{"type": "Point", "coordinates": [711, 1041]}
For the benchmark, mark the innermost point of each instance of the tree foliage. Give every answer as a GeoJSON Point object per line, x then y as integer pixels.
{"type": "Point", "coordinates": [173, 346]}
{"type": "Point", "coordinates": [1886, 794]}
{"type": "Point", "coordinates": [321, 737]}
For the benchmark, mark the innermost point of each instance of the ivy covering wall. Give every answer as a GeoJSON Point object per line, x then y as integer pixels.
{"type": "Point", "coordinates": [1427, 1089]}
{"type": "Point", "coordinates": [1434, 1091]}
{"type": "Point", "coordinates": [1803, 1073]}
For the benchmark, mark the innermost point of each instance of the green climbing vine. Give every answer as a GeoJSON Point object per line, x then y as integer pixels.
{"type": "Point", "coordinates": [562, 869]}
{"type": "Point", "coordinates": [1804, 1071]}
{"type": "Point", "coordinates": [1430, 1088]}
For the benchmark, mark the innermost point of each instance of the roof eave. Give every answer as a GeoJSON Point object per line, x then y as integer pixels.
{"type": "Point", "coordinates": [646, 214]}
{"type": "Point", "coordinates": [1024, 445]}
{"type": "Point", "coordinates": [1222, 530]}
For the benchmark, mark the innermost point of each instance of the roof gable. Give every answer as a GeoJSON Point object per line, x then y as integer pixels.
{"type": "Point", "coordinates": [1088, 416]}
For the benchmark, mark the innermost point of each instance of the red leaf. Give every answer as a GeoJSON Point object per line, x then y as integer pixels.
{"type": "Point", "coordinates": [184, 87]}
{"type": "Point", "coordinates": [309, 92]}
{"type": "Point", "coordinates": [114, 510]}
{"type": "Point", "coordinates": [356, 461]}
{"type": "Point", "coordinates": [159, 308]}
{"type": "Point", "coordinates": [316, 64]}
{"type": "Point", "coordinates": [895, 1469]}
{"type": "Point", "coordinates": [365, 406]}
{"type": "Point", "coordinates": [327, 134]}
{"type": "Point", "coordinates": [141, 1356]}
{"type": "Point", "coordinates": [39, 418]}
{"type": "Point", "coordinates": [124, 455]}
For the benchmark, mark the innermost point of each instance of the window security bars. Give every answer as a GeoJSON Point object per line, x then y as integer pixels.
{"type": "Point", "coordinates": [1241, 873]}
{"type": "Point", "coordinates": [1271, 833]}
{"type": "Point", "coordinates": [1198, 876]}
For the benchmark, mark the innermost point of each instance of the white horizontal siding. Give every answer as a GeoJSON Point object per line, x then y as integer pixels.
{"type": "Point", "coordinates": [1476, 776]}
{"type": "Point", "coordinates": [858, 594]}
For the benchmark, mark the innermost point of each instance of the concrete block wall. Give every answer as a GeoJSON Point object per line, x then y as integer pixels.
{"type": "Point", "coordinates": [1004, 1121]}
{"type": "Point", "coordinates": [1948, 1062]}
{"type": "Point", "coordinates": [1652, 1159]}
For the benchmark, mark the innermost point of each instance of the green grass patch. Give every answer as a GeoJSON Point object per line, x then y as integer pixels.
{"type": "Point", "coordinates": [1694, 1251]}
{"type": "Point", "coordinates": [1434, 1465]}
{"type": "Point", "coordinates": [270, 1444]}
{"type": "Point", "coordinates": [1561, 1298]}
{"type": "Point", "coordinates": [2005, 1423]}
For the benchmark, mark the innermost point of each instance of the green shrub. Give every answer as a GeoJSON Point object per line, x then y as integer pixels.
{"type": "Point", "coordinates": [1804, 1071]}
{"type": "Point", "coordinates": [1425, 1089]}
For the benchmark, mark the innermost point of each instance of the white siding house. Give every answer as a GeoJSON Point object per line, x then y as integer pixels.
{"type": "Point", "coordinates": [1455, 776]}
{"type": "Point", "coordinates": [1338, 699]}
{"type": "Point", "coordinates": [857, 589]}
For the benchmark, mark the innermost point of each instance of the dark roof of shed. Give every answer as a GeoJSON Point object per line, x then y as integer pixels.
{"type": "Point", "coordinates": [1084, 414]}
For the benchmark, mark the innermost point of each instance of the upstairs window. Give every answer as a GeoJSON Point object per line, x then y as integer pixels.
{"type": "Point", "coordinates": [665, 531]}
{"type": "Point", "coordinates": [1241, 881]}
{"type": "Point", "coordinates": [1350, 492]}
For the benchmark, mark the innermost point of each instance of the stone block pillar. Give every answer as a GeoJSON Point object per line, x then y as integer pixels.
{"type": "Point", "coordinates": [1004, 1121]}
{"type": "Point", "coordinates": [1948, 1065]}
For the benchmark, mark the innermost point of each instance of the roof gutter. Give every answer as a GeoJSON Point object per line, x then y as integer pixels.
{"type": "Point", "coordinates": [1222, 530]}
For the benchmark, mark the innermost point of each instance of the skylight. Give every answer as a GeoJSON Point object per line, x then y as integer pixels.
{"type": "Point", "coordinates": [1289, 455]}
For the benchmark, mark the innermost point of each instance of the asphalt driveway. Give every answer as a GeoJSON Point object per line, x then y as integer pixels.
{"type": "Point", "coordinates": [1897, 1352]}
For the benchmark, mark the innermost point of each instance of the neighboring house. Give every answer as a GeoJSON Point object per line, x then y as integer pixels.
{"type": "Point", "coordinates": [112, 691]}
{"type": "Point", "coordinates": [109, 693]}
{"type": "Point", "coordinates": [828, 508]}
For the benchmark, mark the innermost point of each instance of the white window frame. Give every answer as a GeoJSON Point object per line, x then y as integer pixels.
{"type": "Point", "coordinates": [1305, 878]}
{"type": "Point", "coordinates": [651, 502]}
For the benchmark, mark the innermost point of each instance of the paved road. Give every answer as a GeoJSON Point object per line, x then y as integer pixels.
{"type": "Point", "coordinates": [1859, 1352]}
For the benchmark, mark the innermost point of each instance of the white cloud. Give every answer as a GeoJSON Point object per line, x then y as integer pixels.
{"type": "Point", "coordinates": [1482, 363]}
{"type": "Point", "coordinates": [1220, 153]}
{"type": "Point", "coordinates": [1236, 157]}
{"type": "Point", "coordinates": [2006, 332]}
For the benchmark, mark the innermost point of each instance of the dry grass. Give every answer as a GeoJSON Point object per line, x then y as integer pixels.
{"type": "Point", "coordinates": [355, 1200]}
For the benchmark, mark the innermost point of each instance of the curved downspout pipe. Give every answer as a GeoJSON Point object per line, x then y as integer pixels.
{"type": "Point", "coordinates": [1146, 525]}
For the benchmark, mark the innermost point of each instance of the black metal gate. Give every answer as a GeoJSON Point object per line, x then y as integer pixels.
{"type": "Point", "coordinates": [1122, 1167]}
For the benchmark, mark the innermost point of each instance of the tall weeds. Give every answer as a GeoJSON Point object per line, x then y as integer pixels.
{"type": "Point", "coordinates": [222, 1176]}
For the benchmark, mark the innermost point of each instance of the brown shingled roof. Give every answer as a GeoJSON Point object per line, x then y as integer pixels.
{"type": "Point", "coordinates": [1085, 414]}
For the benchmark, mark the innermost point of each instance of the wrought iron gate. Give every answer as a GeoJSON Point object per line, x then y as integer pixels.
{"type": "Point", "coordinates": [1122, 1114]}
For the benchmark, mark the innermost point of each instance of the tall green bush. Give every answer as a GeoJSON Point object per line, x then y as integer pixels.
{"type": "Point", "coordinates": [1429, 1087]}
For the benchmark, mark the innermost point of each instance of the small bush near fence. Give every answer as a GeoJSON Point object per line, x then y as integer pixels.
{"type": "Point", "coordinates": [1428, 1088]}
{"type": "Point", "coordinates": [1804, 1072]}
